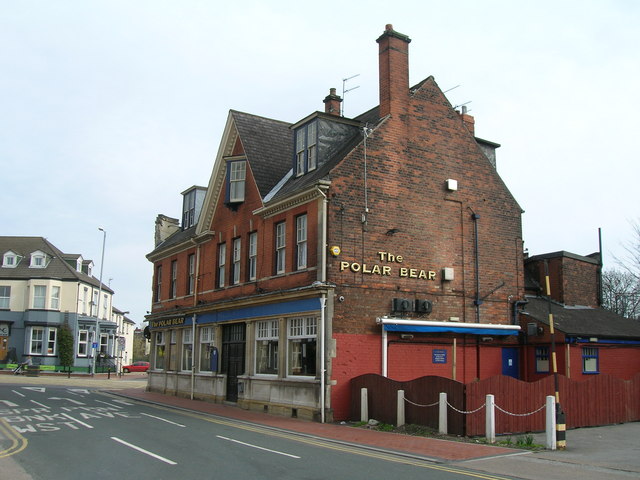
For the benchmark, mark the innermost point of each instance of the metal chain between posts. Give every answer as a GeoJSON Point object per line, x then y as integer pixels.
{"type": "Point", "coordinates": [520, 414]}
{"type": "Point", "coordinates": [470, 411]}
{"type": "Point", "coordinates": [418, 405]}
{"type": "Point", "coordinates": [477, 409]}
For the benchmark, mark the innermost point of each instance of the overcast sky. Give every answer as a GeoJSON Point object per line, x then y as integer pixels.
{"type": "Point", "coordinates": [110, 109]}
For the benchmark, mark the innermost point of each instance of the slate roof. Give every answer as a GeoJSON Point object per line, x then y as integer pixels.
{"type": "Point", "coordinates": [268, 145]}
{"type": "Point", "coordinates": [176, 239]}
{"type": "Point", "coordinates": [583, 321]}
{"type": "Point", "coordinates": [57, 268]}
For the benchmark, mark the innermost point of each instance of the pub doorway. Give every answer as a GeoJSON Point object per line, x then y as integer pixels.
{"type": "Point", "coordinates": [233, 352]}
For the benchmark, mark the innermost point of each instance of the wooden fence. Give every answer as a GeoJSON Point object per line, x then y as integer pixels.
{"type": "Point", "coordinates": [601, 400]}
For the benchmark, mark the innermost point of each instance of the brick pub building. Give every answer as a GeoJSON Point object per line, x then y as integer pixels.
{"type": "Point", "coordinates": [333, 247]}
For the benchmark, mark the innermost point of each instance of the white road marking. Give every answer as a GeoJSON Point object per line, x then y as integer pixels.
{"type": "Point", "coordinates": [35, 389]}
{"type": "Point", "coordinates": [76, 420]}
{"type": "Point", "coordinates": [68, 399]}
{"type": "Point", "coordinates": [78, 391]}
{"type": "Point", "coordinates": [163, 419]}
{"type": "Point", "coordinates": [18, 393]}
{"type": "Point", "coordinates": [142, 450]}
{"type": "Point", "coordinates": [124, 402]}
{"type": "Point", "coordinates": [109, 404]}
{"type": "Point", "coordinates": [8, 403]}
{"type": "Point", "coordinates": [40, 404]}
{"type": "Point", "coordinates": [256, 446]}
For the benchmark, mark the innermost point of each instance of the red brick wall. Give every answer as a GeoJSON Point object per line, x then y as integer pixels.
{"type": "Point", "coordinates": [240, 222]}
{"type": "Point", "coordinates": [572, 281]}
{"type": "Point", "coordinates": [360, 354]}
{"type": "Point", "coordinates": [406, 191]}
{"type": "Point", "coordinates": [580, 283]}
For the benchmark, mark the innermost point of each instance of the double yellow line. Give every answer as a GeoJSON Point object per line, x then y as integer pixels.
{"type": "Point", "coordinates": [18, 442]}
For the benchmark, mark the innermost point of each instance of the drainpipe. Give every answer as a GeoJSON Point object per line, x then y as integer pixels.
{"type": "Point", "coordinates": [384, 352]}
{"type": "Point", "coordinates": [193, 322]}
{"type": "Point", "coordinates": [516, 304]}
{"type": "Point", "coordinates": [323, 303]}
{"type": "Point", "coordinates": [478, 301]}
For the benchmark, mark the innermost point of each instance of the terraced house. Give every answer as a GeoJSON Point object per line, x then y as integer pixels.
{"type": "Point", "coordinates": [334, 246]}
{"type": "Point", "coordinates": [42, 288]}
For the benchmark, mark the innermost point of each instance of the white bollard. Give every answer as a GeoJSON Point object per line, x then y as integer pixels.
{"type": "Point", "coordinates": [550, 422]}
{"type": "Point", "coordinates": [400, 409]}
{"type": "Point", "coordinates": [364, 405]}
{"type": "Point", "coordinates": [442, 414]}
{"type": "Point", "coordinates": [490, 419]}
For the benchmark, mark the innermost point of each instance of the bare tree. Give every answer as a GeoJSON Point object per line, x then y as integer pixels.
{"type": "Point", "coordinates": [621, 293]}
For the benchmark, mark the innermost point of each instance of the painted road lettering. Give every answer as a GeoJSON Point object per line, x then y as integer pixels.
{"type": "Point", "coordinates": [68, 414]}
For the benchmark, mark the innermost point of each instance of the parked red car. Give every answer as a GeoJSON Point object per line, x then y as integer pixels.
{"type": "Point", "coordinates": [136, 367]}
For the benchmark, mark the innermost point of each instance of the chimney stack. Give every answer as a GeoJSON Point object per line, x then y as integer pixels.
{"type": "Point", "coordinates": [394, 72]}
{"type": "Point", "coordinates": [332, 102]}
{"type": "Point", "coordinates": [468, 120]}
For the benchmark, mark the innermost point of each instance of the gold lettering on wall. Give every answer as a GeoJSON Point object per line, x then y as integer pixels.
{"type": "Point", "coordinates": [387, 270]}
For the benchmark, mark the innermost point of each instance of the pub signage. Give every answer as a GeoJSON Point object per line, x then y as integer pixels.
{"type": "Point", "coordinates": [388, 264]}
{"type": "Point", "coordinates": [167, 322]}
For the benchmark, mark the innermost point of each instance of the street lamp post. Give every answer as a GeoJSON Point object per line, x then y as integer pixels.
{"type": "Point", "coordinates": [96, 341]}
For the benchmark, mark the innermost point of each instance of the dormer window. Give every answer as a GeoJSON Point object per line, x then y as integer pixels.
{"type": "Point", "coordinates": [10, 260]}
{"type": "Point", "coordinates": [79, 264]}
{"type": "Point", "coordinates": [38, 260]}
{"type": "Point", "coordinates": [236, 177]}
{"type": "Point", "coordinates": [306, 148]}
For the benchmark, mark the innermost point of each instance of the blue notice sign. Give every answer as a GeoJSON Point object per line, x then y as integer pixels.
{"type": "Point", "coordinates": [439, 356]}
{"type": "Point", "coordinates": [94, 345]}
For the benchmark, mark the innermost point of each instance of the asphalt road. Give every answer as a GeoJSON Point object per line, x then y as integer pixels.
{"type": "Point", "coordinates": [51, 432]}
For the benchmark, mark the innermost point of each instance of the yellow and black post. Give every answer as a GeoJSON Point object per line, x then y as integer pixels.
{"type": "Point", "coordinates": [561, 427]}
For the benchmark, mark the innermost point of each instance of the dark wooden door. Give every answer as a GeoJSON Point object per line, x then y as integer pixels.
{"type": "Point", "coordinates": [233, 352]}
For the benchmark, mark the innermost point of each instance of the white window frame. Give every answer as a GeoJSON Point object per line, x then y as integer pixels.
{"type": "Point", "coordinates": [312, 151]}
{"type": "Point", "coordinates": [186, 363]}
{"type": "Point", "coordinates": [207, 341]}
{"type": "Point", "coordinates": [36, 342]}
{"type": "Point", "coordinates": [300, 151]}
{"type": "Point", "coordinates": [44, 341]}
{"type": "Point", "coordinates": [55, 297]}
{"type": "Point", "coordinates": [267, 347]}
{"type": "Point", "coordinates": [38, 260]}
{"type": "Point", "coordinates": [104, 343]}
{"type": "Point", "coordinates": [302, 332]}
{"type": "Point", "coordinates": [83, 343]}
{"type": "Point", "coordinates": [590, 360]}
{"type": "Point", "coordinates": [222, 263]}
{"type": "Point", "coordinates": [237, 179]}
{"type": "Point", "coordinates": [10, 260]}
{"type": "Point", "coordinates": [173, 285]}
{"type": "Point", "coordinates": [191, 278]}
{"type": "Point", "coordinates": [40, 301]}
{"type": "Point", "coordinates": [281, 247]}
{"type": "Point", "coordinates": [160, 350]}
{"type": "Point", "coordinates": [5, 297]}
{"type": "Point", "coordinates": [253, 255]}
{"type": "Point", "coordinates": [158, 292]}
{"type": "Point", "coordinates": [301, 242]}
{"type": "Point", "coordinates": [237, 250]}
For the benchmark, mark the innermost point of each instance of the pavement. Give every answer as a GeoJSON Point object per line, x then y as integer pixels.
{"type": "Point", "coordinates": [611, 452]}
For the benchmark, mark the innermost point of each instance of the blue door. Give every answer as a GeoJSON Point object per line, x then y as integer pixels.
{"type": "Point", "coordinates": [510, 365]}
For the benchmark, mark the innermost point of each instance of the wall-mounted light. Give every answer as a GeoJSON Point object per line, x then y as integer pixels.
{"type": "Point", "coordinates": [451, 184]}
